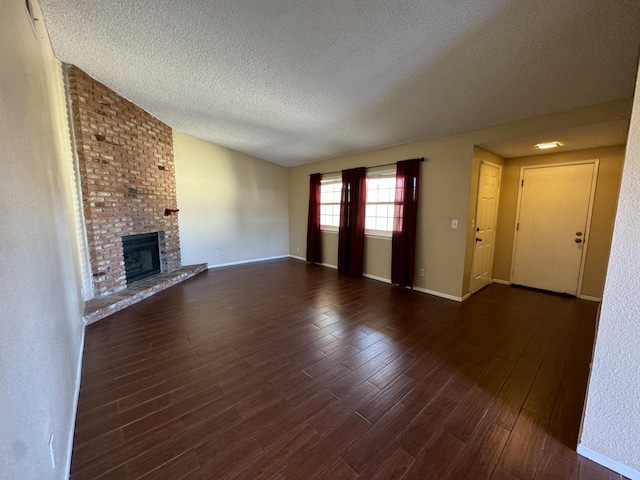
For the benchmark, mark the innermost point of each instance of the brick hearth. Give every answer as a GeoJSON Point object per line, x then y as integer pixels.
{"type": "Point", "coordinates": [99, 308]}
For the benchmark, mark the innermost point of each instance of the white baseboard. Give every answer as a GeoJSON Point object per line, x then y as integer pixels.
{"type": "Point", "coordinates": [440, 294]}
{"type": "Point", "coordinates": [501, 282]}
{"type": "Point", "coordinates": [417, 289]}
{"type": "Point", "coordinates": [611, 464]}
{"type": "Point", "coordinates": [374, 277]}
{"type": "Point", "coordinates": [590, 298]}
{"type": "Point", "coordinates": [75, 405]}
{"type": "Point", "coordinates": [335, 267]}
{"type": "Point", "coordinates": [298, 258]}
{"type": "Point", "coordinates": [253, 260]}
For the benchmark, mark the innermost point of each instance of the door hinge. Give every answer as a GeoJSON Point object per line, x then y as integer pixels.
{"type": "Point", "coordinates": [518, 226]}
{"type": "Point", "coordinates": [522, 183]}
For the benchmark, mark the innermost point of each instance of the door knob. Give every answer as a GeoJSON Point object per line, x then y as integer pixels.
{"type": "Point", "coordinates": [578, 240]}
{"type": "Point", "coordinates": [478, 239]}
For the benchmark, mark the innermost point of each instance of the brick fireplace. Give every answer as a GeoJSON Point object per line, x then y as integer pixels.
{"type": "Point", "coordinates": [126, 171]}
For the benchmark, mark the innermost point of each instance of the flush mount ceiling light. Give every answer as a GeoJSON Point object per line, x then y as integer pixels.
{"type": "Point", "coordinates": [544, 146]}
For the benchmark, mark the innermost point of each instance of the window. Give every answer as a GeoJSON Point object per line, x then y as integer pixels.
{"type": "Point", "coordinates": [381, 192]}
{"type": "Point", "coordinates": [330, 191]}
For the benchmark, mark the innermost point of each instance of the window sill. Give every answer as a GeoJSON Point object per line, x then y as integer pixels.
{"type": "Point", "coordinates": [377, 236]}
{"type": "Point", "coordinates": [367, 235]}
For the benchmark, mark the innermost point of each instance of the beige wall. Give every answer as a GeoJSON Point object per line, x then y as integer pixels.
{"type": "Point", "coordinates": [604, 207]}
{"type": "Point", "coordinates": [447, 161]}
{"type": "Point", "coordinates": [377, 254]}
{"type": "Point", "coordinates": [447, 177]}
{"type": "Point", "coordinates": [611, 425]}
{"type": "Point", "coordinates": [230, 202]}
{"type": "Point", "coordinates": [41, 330]}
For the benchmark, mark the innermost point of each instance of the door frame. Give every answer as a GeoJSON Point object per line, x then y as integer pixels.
{"type": "Point", "coordinates": [587, 230]}
{"type": "Point", "coordinates": [475, 222]}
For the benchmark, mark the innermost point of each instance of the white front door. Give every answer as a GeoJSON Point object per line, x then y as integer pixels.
{"type": "Point", "coordinates": [552, 226]}
{"type": "Point", "coordinates": [485, 227]}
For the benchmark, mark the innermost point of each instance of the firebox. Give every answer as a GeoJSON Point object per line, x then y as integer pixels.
{"type": "Point", "coordinates": [141, 256]}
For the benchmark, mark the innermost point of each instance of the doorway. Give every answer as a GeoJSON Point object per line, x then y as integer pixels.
{"type": "Point", "coordinates": [552, 225]}
{"type": "Point", "coordinates": [485, 226]}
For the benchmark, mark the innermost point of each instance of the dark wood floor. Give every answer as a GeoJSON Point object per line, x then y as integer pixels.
{"type": "Point", "coordinates": [284, 370]}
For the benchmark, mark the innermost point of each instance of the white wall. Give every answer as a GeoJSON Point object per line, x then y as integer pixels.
{"type": "Point", "coordinates": [229, 202]}
{"type": "Point", "coordinates": [41, 330]}
{"type": "Point", "coordinates": [611, 426]}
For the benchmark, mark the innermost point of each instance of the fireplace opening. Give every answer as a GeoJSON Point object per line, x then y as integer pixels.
{"type": "Point", "coordinates": [141, 256]}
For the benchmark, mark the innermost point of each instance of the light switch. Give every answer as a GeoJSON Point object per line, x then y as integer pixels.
{"type": "Point", "coordinates": [454, 223]}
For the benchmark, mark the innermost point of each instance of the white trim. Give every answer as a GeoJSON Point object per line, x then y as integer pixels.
{"type": "Point", "coordinates": [378, 235]}
{"type": "Point", "coordinates": [374, 277]}
{"type": "Point", "coordinates": [81, 238]}
{"type": "Point", "coordinates": [501, 282]}
{"type": "Point", "coordinates": [297, 257]}
{"type": "Point", "coordinates": [417, 289]}
{"type": "Point", "coordinates": [253, 260]}
{"type": "Point", "coordinates": [516, 225]}
{"type": "Point", "coordinates": [335, 267]}
{"type": "Point", "coordinates": [587, 228]}
{"type": "Point", "coordinates": [590, 298]}
{"type": "Point", "coordinates": [366, 235]}
{"type": "Point", "coordinates": [75, 404]}
{"type": "Point", "coordinates": [388, 174]}
{"type": "Point", "coordinates": [441, 295]}
{"type": "Point", "coordinates": [475, 220]}
{"type": "Point", "coordinates": [611, 464]}
{"type": "Point", "coordinates": [31, 15]}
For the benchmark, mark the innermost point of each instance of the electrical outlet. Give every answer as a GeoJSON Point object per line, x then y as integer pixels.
{"type": "Point", "coordinates": [217, 252]}
{"type": "Point", "coordinates": [454, 223]}
{"type": "Point", "coordinates": [421, 272]}
{"type": "Point", "coordinates": [297, 249]}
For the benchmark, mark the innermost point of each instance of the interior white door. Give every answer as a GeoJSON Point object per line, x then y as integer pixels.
{"type": "Point", "coordinates": [485, 228]}
{"type": "Point", "coordinates": [555, 202]}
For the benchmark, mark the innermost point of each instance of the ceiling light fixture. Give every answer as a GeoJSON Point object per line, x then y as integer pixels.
{"type": "Point", "coordinates": [544, 146]}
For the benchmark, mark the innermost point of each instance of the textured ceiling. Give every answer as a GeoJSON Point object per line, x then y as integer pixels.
{"type": "Point", "coordinates": [293, 81]}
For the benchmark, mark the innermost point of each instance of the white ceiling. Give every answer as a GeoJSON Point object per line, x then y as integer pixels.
{"type": "Point", "coordinates": [294, 81]}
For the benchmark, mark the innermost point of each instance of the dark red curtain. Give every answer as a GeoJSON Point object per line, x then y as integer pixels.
{"type": "Point", "coordinates": [314, 238]}
{"type": "Point", "coordinates": [353, 203]}
{"type": "Point", "coordinates": [403, 242]}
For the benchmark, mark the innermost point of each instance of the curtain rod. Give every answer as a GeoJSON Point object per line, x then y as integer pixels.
{"type": "Point", "coordinates": [372, 166]}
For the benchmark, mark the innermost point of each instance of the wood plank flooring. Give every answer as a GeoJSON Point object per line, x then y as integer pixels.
{"type": "Point", "coordinates": [284, 370]}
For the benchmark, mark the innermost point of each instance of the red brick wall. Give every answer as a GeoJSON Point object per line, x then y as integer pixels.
{"type": "Point", "coordinates": [127, 177]}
